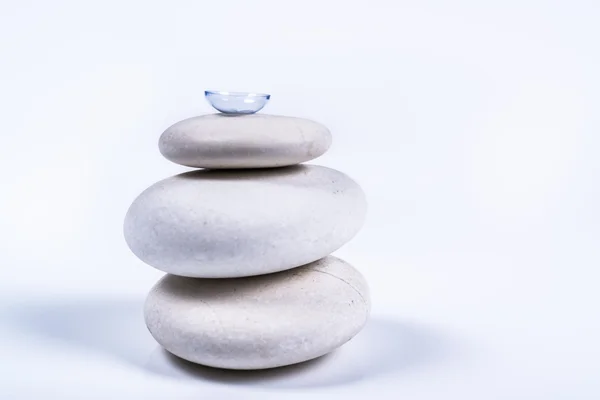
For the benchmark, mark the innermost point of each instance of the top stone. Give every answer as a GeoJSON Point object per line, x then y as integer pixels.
{"type": "Point", "coordinates": [220, 141]}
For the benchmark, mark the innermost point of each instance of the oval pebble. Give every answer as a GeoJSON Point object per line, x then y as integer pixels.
{"type": "Point", "coordinates": [223, 223]}
{"type": "Point", "coordinates": [259, 322]}
{"type": "Point", "coordinates": [243, 141]}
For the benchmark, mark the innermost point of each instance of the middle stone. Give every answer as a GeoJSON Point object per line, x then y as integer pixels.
{"type": "Point", "coordinates": [223, 224]}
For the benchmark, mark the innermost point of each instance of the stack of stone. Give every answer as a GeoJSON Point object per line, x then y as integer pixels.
{"type": "Point", "coordinates": [245, 241]}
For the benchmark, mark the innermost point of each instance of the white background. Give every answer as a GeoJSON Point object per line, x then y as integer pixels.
{"type": "Point", "coordinates": [473, 126]}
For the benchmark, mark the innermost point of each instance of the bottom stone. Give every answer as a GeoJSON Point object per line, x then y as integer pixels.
{"type": "Point", "coordinates": [261, 321]}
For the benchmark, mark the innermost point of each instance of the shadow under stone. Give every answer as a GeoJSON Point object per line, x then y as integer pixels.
{"type": "Point", "coordinates": [116, 329]}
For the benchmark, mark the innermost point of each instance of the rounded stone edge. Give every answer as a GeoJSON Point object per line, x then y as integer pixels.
{"type": "Point", "coordinates": [201, 275]}
{"type": "Point", "coordinates": [167, 154]}
{"type": "Point", "coordinates": [316, 266]}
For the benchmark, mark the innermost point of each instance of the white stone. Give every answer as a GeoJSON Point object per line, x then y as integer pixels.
{"type": "Point", "coordinates": [223, 223]}
{"type": "Point", "coordinates": [244, 141]}
{"type": "Point", "coordinates": [259, 322]}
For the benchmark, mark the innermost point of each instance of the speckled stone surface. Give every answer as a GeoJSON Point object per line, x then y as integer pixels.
{"type": "Point", "coordinates": [243, 141]}
{"type": "Point", "coordinates": [221, 224]}
{"type": "Point", "coordinates": [259, 322]}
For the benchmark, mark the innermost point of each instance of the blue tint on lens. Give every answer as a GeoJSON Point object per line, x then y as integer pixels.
{"type": "Point", "coordinates": [237, 102]}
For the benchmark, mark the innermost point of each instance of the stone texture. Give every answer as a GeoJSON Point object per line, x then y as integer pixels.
{"type": "Point", "coordinates": [259, 322]}
{"type": "Point", "coordinates": [243, 141]}
{"type": "Point", "coordinates": [220, 224]}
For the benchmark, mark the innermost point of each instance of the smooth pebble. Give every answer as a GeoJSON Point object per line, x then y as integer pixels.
{"type": "Point", "coordinates": [259, 322]}
{"type": "Point", "coordinates": [222, 224]}
{"type": "Point", "coordinates": [243, 141]}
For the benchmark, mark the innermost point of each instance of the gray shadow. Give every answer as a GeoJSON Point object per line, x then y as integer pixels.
{"type": "Point", "coordinates": [283, 173]}
{"type": "Point", "coordinates": [113, 329]}
{"type": "Point", "coordinates": [116, 329]}
{"type": "Point", "coordinates": [384, 346]}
